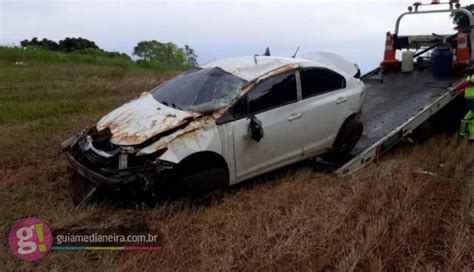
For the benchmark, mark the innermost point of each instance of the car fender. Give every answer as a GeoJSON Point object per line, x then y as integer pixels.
{"type": "Point", "coordinates": [356, 95]}
{"type": "Point", "coordinates": [196, 137]}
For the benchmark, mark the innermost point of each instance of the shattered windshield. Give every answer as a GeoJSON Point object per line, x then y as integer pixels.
{"type": "Point", "coordinates": [199, 90]}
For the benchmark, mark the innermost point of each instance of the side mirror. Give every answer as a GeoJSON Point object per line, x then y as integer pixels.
{"type": "Point", "coordinates": [255, 130]}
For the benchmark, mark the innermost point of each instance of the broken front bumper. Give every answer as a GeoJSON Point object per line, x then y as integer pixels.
{"type": "Point", "coordinates": [98, 169]}
{"type": "Point", "coordinates": [144, 179]}
{"type": "Point", "coordinates": [109, 183]}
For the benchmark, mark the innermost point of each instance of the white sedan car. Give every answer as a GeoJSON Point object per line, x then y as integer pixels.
{"type": "Point", "coordinates": [221, 124]}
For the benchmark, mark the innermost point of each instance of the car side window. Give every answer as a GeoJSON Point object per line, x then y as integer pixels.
{"type": "Point", "coordinates": [272, 92]}
{"type": "Point", "coordinates": [318, 81]}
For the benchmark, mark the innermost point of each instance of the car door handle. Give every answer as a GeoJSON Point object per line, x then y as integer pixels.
{"type": "Point", "coordinates": [341, 100]}
{"type": "Point", "coordinates": [294, 116]}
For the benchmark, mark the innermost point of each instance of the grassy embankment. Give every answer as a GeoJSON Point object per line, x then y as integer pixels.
{"type": "Point", "coordinates": [383, 217]}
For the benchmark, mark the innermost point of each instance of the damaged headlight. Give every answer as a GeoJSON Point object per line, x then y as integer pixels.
{"type": "Point", "coordinates": [86, 145]}
{"type": "Point", "coordinates": [130, 158]}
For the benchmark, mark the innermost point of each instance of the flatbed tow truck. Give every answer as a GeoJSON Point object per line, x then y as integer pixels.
{"type": "Point", "coordinates": [398, 103]}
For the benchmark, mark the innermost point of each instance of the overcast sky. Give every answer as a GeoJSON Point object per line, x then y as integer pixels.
{"type": "Point", "coordinates": [219, 29]}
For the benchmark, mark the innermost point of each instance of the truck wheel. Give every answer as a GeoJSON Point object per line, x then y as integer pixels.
{"type": "Point", "coordinates": [346, 139]}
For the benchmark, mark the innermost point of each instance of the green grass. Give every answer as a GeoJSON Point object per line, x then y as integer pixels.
{"type": "Point", "coordinates": [37, 55]}
{"type": "Point", "coordinates": [56, 92]}
{"type": "Point", "coordinates": [52, 95]}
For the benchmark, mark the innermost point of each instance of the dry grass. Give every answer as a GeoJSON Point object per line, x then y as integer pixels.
{"type": "Point", "coordinates": [381, 218]}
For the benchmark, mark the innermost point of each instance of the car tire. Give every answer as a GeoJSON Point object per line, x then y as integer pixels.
{"type": "Point", "coordinates": [196, 177]}
{"type": "Point", "coordinates": [347, 138]}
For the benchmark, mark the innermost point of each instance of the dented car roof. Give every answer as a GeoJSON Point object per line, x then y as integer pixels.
{"type": "Point", "coordinates": [253, 67]}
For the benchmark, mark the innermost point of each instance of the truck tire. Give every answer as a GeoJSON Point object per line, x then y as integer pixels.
{"type": "Point", "coordinates": [347, 138]}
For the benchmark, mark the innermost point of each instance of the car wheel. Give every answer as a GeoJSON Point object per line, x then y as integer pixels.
{"type": "Point", "coordinates": [347, 138]}
{"type": "Point", "coordinates": [196, 177]}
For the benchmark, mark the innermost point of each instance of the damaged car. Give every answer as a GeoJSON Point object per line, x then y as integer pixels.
{"type": "Point", "coordinates": [220, 124]}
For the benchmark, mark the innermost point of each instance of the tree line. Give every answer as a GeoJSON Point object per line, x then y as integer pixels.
{"type": "Point", "coordinates": [152, 52]}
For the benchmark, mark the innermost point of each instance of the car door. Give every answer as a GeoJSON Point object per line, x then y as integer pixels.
{"type": "Point", "coordinates": [273, 103]}
{"type": "Point", "coordinates": [324, 107]}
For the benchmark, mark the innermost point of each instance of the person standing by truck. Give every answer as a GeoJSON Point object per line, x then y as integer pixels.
{"type": "Point", "coordinates": [467, 123]}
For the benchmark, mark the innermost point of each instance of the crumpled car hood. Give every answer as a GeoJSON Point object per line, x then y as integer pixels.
{"type": "Point", "coordinates": [138, 120]}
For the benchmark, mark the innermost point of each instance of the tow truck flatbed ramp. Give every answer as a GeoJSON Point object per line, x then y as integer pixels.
{"type": "Point", "coordinates": [394, 105]}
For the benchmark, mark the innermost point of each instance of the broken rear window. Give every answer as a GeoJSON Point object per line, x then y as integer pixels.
{"type": "Point", "coordinates": [200, 90]}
